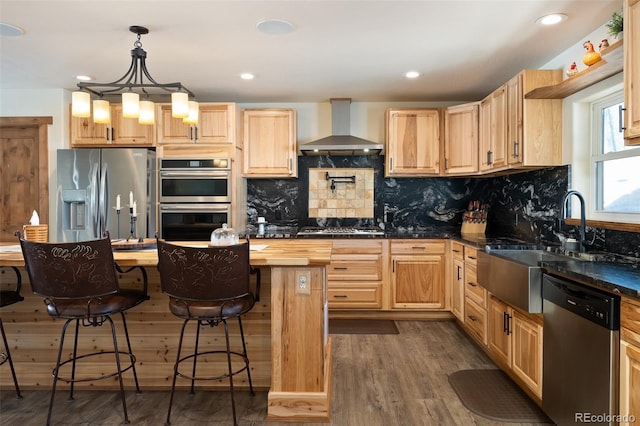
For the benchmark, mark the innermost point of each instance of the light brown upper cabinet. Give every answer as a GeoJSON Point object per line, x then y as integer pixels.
{"type": "Point", "coordinates": [269, 143]}
{"type": "Point", "coordinates": [412, 142]}
{"type": "Point", "coordinates": [534, 136]}
{"type": "Point", "coordinates": [632, 71]}
{"type": "Point", "coordinates": [461, 139]}
{"type": "Point", "coordinates": [120, 131]}
{"type": "Point", "coordinates": [493, 131]}
{"type": "Point", "coordinates": [216, 125]}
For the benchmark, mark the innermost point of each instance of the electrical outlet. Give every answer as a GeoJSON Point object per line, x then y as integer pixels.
{"type": "Point", "coordinates": [303, 282]}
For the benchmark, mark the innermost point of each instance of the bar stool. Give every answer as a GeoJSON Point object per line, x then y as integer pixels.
{"type": "Point", "coordinates": [9, 297]}
{"type": "Point", "coordinates": [79, 283]}
{"type": "Point", "coordinates": [207, 285]}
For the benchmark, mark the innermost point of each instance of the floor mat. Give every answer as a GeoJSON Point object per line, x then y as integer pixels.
{"type": "Point", "coordinates": [362, 326]}
{"type": "Point", "coordinates": [492, 394]}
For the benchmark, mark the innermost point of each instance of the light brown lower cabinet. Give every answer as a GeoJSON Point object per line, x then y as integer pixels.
{"type": "Point", "coordinates": [629, 361]}
{"type": "Point", "coordinates": [418, 274]}
{"type": "Point", "coordinates": [515, 339]}
{"type": "Point", "coordinates": [457, 279]}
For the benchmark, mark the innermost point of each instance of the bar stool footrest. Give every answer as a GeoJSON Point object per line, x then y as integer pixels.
{"type": "Point", "coordinates": [132, 360]}
{"type": "Point", "coordinates": [223, 376]}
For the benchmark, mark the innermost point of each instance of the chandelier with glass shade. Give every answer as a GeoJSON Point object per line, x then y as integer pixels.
{"type": "Point", "coordinates": [135, 88]}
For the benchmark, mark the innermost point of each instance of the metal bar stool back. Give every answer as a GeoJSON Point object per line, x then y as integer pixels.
{"type": "Point", "coordinates": [208, 285]}
{"type": "Point", "coordinates": [9, 297]}
{"type": "Point", "coordinates": [79, 283]}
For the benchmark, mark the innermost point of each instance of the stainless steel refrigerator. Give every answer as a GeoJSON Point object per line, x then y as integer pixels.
{"type": "Point", "coordinates": [89, 180]}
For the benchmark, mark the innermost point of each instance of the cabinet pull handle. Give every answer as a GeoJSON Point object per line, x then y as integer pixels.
{"type": "Point", "coordinates": [195, 131]}
{"type": "Point", "coordinates": [620, 121]}
{"type": "Point", "coordinates": [340, 268]}
{"type": "Point", "coordinates": [472, 318]}
{"type": "Point", "coordinates": [418, 248]}
{"type": "Point", "coordinates": [471, 258]}
{"type": "Point", "coordinates": [489, 157]}
{"type": "Point", "coordinates": [446, 163]}
{"type": "Point", "coordinates": [471, 283]}
{"type": "Point", "coordinates": [113, 134]}
{"type": "Point", "coordinates": [509, 324]}
{"type": "Point", "coordinates": [459, 276]}
{"type": "Point", "coordinates": [516, 145]}
{"type": "Point", "coordinates": [290, 165]}
{"type": "Point", "coordinates": [339, 296]}
{"type": "Point", "coordinates": [190, 133]}
{"type": "Point", "coordinates": [390, 164]}
{"type": "Point", "coordinates": [107, 129]}
{"type": "Point", "coordinates": [456, 251]}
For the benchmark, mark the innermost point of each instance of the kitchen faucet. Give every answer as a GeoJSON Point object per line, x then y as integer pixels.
{"type": "Point", "coordinates": [583, 219]}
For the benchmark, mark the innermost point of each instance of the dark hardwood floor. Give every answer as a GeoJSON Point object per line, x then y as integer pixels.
{"type": "Point", "coordinates": [379, 380]}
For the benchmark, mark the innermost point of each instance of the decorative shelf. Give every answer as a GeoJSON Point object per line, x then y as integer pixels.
{"type": "Point", "coordinates": [611, 63]}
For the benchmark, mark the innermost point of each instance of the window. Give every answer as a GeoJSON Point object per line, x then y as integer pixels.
{"type": "Point", "coordinates": [614, 168]}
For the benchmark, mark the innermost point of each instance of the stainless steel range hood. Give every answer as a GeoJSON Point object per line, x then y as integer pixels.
{"type": "Point", "coordinates": [341, 142]}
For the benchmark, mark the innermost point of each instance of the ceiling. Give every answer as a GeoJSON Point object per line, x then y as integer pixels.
{"type": "Point", "coordinates": [341, 48]}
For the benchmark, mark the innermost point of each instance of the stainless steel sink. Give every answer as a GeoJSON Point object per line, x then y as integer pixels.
{"type": "Point", "coordinates": [515, 276]}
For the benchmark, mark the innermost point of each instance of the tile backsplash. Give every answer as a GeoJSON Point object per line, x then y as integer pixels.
{"type": "Point", "coordinates": [333, 194]}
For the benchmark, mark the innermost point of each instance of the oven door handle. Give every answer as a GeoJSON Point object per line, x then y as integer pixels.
{"type": "Point", "coordinates": [195, 174]}
{"type": "Point", "coordinates": [194, 207]}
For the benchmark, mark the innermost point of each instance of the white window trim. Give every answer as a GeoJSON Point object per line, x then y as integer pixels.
{"type": "Point", "coordinates": [577, 148]}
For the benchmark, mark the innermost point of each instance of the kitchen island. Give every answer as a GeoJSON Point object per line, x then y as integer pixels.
{"type": "Point", "coordinates": [287, 337]}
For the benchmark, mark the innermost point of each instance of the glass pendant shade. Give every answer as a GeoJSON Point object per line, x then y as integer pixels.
{"type": "Point", "coordinates": [130, 105]}
{"type": "Point", "coordinates": [192, 118]}
{"type": "Point", "coordinates": [101, 112]}
{"type": "Point", "coordinates": [179, 104]}
{"type": "Point", "coordinates": [147, 112]}
{"type": "Point", "coordinates": [80, 104]}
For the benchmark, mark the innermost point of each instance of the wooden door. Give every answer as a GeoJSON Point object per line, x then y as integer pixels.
{"type": "Point", "coordinates": [24, 175]}
{"type": "Point", "coordinates": [418, 282]}
{"type": "Point", "coordinates": [629, 379]}
{"type": "Point", "coordinates": [457, 289]}
{"type": "Point", "coordinates": [514, 120]}
{"type": "Point", "coordinates": [413, 143]}
{"type": "Point", "coordinates": [269, 140]}
{"type": "Point", "coordinates": [461, 139]}
{"type": "Point", "coordinates": [527, 351]}
{"type": "Point", "coordinates": [499, 339]}
{"type": "Point", "coordinates": [632, 71]}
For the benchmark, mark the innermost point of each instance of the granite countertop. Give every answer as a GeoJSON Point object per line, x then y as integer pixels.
{"type": "Point", "coordinates": [620, 278]}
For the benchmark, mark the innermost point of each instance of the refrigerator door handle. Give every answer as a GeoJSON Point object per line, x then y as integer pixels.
{"type": "Point", "coordinates": [104, 200]}
{"type": "Point", "coordinates": [93, 200]}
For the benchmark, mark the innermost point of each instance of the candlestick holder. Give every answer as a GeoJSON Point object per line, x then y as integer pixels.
{"type": "Point", "coordinates": [118, 220]}
{"type": "Point", "coordinates": [132, 230]}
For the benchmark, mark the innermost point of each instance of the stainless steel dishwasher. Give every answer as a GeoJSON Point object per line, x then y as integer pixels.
{"type": "Point", "coordinates": [580, 353]}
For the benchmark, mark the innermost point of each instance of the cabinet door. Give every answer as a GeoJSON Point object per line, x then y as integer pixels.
{"type": "Point", "coordinates": [269, 138]}
{"type": "Point", "coordinates": [215, 125]}
{"type": "Point", "coordinates": [629, 380]}
{"type": "Point", "coordinates": [418, 281]}
{"type": "Point", "coordinates": [83, 131]}
{"type": "Point", "coordinates": [632, 71]}
{"type": "Point", "coordinates": [527, 351]}
{"type": "Point", "coordinates": [413, 143]}
{"type": "Point", "coordinates": [457, 288]}
{"type": "Point", "coordinates": [514, 120]}
{"type": "Point", "coordinates": [499, 338]}
{"type": "Point", "coordinates": [461, 139]}
{"type": "Point", "coordinates": [493, 131]}
{"type": "Point", "coordinates": [128, 131]}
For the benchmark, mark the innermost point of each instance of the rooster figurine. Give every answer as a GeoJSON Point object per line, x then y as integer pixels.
{"type": "Point", "coordinates": [591, 57]}
{"type": "Point", "coordinates": [604, 43]}
{"type": "Point", "coordinates": [573, 70]}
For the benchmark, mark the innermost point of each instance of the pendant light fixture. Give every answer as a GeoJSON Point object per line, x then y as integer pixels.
{"type": "Point", "coordinates": [136, 83]}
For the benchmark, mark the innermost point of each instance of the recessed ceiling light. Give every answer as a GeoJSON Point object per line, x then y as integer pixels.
{"type": "Point", "coordinates": [84, 77]}
{"type": "Point", "coordinates": [275, 26]}
{"type": "Point", "coordinates": [412, 74]}
{"type": "Point", "coordinates": [247, 76]}
{"type": "Point", "coordinates": [8, 30]}
{"type": "Point", "coordinates": [552, 19]}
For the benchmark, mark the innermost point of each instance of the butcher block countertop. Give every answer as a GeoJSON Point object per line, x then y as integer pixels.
{"type": "Point", "coordinates": [288, 252]}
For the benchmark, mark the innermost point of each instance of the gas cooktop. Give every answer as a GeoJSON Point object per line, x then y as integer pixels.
{"type": "Point", "coordinates": [332, 231]}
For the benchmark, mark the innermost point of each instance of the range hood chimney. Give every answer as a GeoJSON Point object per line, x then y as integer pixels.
{"type": "Point", "coordinates": [341, 142]}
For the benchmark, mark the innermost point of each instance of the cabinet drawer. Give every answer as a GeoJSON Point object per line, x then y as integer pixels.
{"type": "Point", "coordinates": [475, 318]}
{"type": "Point", "coordinates": [630, 315]}
{"type": "Point", "coordinates": [470, 256]}
{"type": "Point", "coordinates": [417, 246]}
{"type": "Point", "coordinates": [457, 250]}
{"type": "Point", "coordinates": [356, 246]}
{"type": "Point", "coordinates": [365, 268]}
{"type": "Point", "coordinates": [349, 296]}
{"type": "Point", "coordinates": [472, 289]}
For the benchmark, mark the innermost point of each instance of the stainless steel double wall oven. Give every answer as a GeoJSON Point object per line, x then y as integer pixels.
{"type": "Point", "coordinates": [195, 197]}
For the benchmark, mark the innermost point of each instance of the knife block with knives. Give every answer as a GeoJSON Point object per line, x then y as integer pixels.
{"type": "Point", "coordinates": [474, 219]}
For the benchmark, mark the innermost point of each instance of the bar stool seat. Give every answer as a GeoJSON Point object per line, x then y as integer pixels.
{"type": "Point", "coordinates": [7, 298]}
{"type": "Point", "coordinates": [79, 284]}
{"type": "Point", "coordinates": [208, 286]}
